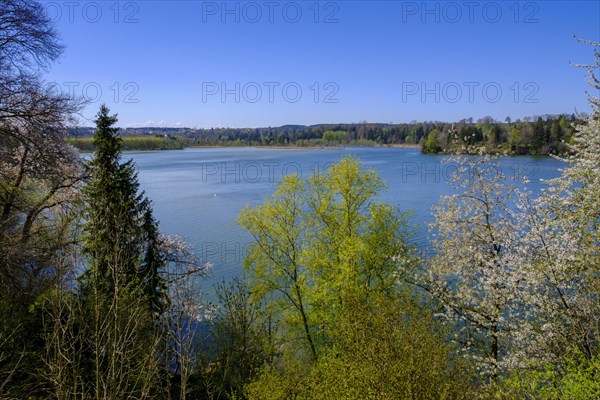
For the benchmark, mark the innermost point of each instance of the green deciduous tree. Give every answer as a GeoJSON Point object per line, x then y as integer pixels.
{"type": "Point", "coordinates": [575, 378]}
{"type": "Point", "coordinates": [389, 350]}
{"type": "Point", "coordinates": [274, 260]}
{"type": "Point", "coordinates": [322, 242]}
{"type": "Point", "coordinates": [330, 260]}
{"type": "Point", "coordinates": [335, 136]}
{"type": "Point", "coordinates": [432, 143]}
{"type": "Point", "coordinates": [356, 246]}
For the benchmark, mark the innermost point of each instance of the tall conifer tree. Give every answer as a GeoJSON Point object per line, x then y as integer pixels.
{"type": "Point", "coordinates": [122, 235]}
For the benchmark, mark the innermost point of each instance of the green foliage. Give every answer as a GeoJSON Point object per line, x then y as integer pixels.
{"type": "Point", "coordinates": [515, 141]}
{"type": "Point", "coordinates": [329, 261]}
{"type": "Point", "coordinates": [432, 143]}
{"type": "Point", "coordinates": [398, 351]}
{"type": "Point", "coordinates": [546, 136]}
{"type": "Point", "coordinates": [275, 384]}
{"type": "Point", "coordinates": [319, 241]}
{"type": "Point", "coordinates": [274, 259]}
{"type": "Point", "coordinates": [356, 245]}
{"type": "Point", "coordinates": [335, 136]}
{"type": "Point", "coordinates": [576, 379]}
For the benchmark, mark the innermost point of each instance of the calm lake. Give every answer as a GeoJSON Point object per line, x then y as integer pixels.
{"type": "Point", "coordinates": [198, 193]}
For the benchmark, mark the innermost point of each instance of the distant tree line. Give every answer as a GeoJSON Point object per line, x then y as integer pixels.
{"type": "Point", "coordinates": [548, 134]}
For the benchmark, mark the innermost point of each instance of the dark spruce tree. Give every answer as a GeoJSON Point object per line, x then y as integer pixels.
{"type": "Point", "coordinates": [122, 243]}
{"type": "Point", "coordinates": [149, 278]}
{"type": "Point", "coordinates": [539, 141]}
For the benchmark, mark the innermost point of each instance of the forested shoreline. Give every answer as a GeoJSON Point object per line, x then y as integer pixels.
{"type": "Point", "coordinates": [335, 301]}
{"type": "Point", "coordinates": [550, 134]}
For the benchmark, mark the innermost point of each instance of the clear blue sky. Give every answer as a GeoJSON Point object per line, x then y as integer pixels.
{"type": "Point", "coordinates": [268, 63]}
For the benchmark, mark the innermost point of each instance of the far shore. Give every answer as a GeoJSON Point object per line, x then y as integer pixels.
{"type": "Point", "coordinates": [275, 147]}
{"type": "Point", "coordinates": [401, 146]}
{"type": "Point", "coordinates": [291, 147]}
{"type": "Point", "coordinates": [278, 147]}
